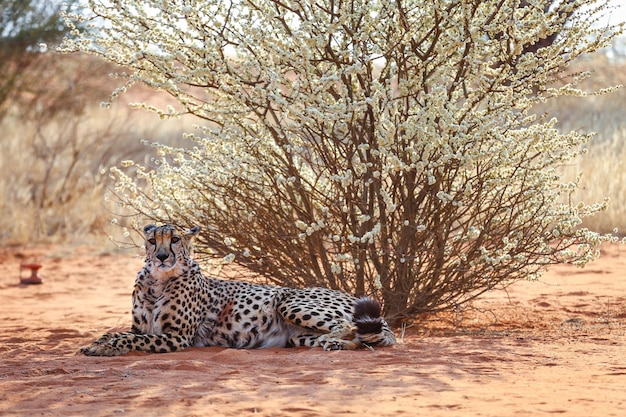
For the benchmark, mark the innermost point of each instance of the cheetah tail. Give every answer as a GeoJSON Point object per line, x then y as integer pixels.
{"type": "Point", "coordinates": [367, 316]}
{"type": "Point", "coordinates": [372, 329]}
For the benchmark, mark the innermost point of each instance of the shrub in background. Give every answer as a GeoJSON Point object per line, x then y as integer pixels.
{"type": "Point", "coordinates": [382, 148]}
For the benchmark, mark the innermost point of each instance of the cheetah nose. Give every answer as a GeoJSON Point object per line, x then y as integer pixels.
{"type": "Point", "coordinates": [161, 256]}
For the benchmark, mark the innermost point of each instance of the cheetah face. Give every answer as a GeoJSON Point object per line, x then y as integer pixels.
{"type": "Point", "coordinates": [167, 251]}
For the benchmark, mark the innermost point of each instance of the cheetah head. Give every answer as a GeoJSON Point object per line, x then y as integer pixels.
{"type": "Point", "coordinates": [168, 252]}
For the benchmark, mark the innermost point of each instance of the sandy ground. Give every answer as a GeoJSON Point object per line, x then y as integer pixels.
{"type": "Point", "coordinates": [555, 347]}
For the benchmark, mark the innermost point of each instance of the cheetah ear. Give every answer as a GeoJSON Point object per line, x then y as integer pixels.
{"type": "Point", "coordinates": [148, 229]}
{"type": "Point", "coordinates": [189, 234]}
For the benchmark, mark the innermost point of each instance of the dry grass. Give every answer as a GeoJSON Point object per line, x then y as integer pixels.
{"type": "Point", "coordinates": [52, 185]}
{"type": "Point", "coordinates": [55, 173]}
{"type": "Point", "coordinates": [603, 167]}
{"type": "Point", "coordinates": [57, 147]}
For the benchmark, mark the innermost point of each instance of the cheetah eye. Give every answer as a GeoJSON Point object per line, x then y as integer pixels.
{"type": "Point", "coordinates": [175, 239]}
{"type": "Point", "coordinates": [152, 241]}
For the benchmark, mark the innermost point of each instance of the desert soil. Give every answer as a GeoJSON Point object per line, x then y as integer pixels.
{"type": "Point", "coordinates": [553, 347]}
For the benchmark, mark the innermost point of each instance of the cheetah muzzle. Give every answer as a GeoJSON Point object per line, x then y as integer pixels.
{"type": "Point", "coordinates": [176, 307]}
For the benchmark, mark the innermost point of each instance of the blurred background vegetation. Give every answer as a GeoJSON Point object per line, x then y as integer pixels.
{"type": "Point", "coordinates": [58, 143]}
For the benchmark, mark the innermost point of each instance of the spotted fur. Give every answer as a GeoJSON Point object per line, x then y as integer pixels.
{"type": "Point", "coordinates": [176, 307]}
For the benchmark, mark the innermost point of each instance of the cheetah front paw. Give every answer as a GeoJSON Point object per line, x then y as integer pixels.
{"type": "Point", "coordinates": [105, 346]}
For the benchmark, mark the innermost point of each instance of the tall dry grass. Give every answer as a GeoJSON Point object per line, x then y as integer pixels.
{"type": "Point", "coordinates": [56, 148]}
{"type": "Point", "coordinates": [54, 173]}
{"type": "Point", "coordinates": [603, 167]}
{"type": "Point", "coordinates": [54, 165]}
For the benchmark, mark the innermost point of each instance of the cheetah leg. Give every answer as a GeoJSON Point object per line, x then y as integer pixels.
{"type": "Point", "coordinates": [319, 320]}
{"type": "Point", "coordinates": [115, 344]}
{"type": "Point", "coordinates": [303, 338]}
{"type": "Point", "coordinates": [341, 337]}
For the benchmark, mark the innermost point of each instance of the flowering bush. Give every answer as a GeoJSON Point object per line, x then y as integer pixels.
{"type": "Point", "coordinates": [383, 148]}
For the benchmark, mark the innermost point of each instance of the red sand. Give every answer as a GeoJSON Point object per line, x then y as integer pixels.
{"type": "Point", "coordinates": [552, 347]}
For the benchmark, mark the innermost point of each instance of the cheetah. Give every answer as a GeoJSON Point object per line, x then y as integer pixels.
{"type": "Point", "coordinates": [176, 307]}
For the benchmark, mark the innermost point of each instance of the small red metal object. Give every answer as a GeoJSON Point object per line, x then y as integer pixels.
{"type": "Point", "coordinates": [33, 278]}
